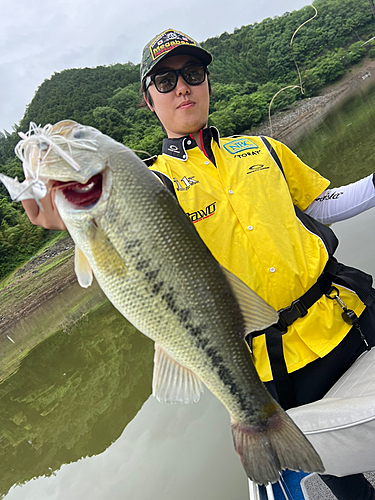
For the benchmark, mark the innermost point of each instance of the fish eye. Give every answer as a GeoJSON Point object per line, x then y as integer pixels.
{"type": "Point", "coordinates": [79, 134]}
{"type": "Point", "coordinates": [42, 146]}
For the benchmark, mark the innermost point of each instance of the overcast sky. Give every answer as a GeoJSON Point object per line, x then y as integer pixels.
{"type": "Point", "coordinates": [40, 37]}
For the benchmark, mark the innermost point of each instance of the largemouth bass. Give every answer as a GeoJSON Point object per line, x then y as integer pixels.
{"type": "Point", "coordinates": [151, 263]}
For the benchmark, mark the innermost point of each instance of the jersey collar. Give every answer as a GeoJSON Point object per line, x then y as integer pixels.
{"type": "Point", "coordinates": [176, 148]}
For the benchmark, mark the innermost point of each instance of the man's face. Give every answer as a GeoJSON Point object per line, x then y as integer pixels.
{"type": "Point", "coordinates": [183, 110]}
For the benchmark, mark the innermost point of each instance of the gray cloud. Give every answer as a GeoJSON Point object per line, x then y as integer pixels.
{"type": "Point", "coordinates": [40, 38]}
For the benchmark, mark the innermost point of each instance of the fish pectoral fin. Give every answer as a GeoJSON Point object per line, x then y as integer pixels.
{"type": "Point", "coordinates": [104, 254]}
{"type": "Point", "coordinates": [257, 314]}
{"type": "Point", "coordinates": [82, 268]}
{"type": "Point", "coordinates": [172, 382]}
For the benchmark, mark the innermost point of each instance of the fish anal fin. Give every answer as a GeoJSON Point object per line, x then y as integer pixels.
{"type": "Point", "coordinates": [82, 268]}
{"type": "Point", "coordinates": [172, 382]}
{"type": "Point", "coordinates": [257, 314]}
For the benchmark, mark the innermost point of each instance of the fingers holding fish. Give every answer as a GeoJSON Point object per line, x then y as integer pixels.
{"type": "Point", "coordinates": [47, 215]}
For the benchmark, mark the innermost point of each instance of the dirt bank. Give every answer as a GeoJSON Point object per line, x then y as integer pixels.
{"type": "Point", "coordinates": [292, 123]}
{"type": "Point", "coordinates": [41, 279]}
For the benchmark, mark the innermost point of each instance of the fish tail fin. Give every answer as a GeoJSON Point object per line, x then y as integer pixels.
{"type": "Point", "coordinates": [265, 450]}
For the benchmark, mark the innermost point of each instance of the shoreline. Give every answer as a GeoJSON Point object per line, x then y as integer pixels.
{"type": "Point", "coordinates": [291, 124]}
{"type": "Point", "coordinates": [39, 280]}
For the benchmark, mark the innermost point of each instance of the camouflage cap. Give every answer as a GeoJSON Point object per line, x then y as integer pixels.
{"type": "Point", "coordinates": [162, 45]}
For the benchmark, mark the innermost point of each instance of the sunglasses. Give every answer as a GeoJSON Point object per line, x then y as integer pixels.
{"type": "Point", "coordinates": [166, 80]}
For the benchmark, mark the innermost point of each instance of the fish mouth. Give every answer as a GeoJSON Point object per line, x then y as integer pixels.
{"type": "Point", "coordinates": [82, 195]}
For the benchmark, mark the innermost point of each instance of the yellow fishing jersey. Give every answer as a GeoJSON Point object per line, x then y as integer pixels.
{"type": "Point", "coordinates": [243, 207]}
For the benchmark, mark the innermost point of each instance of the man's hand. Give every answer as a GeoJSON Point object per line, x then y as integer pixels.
{"type": "Point", "coordinates": [49, 218]}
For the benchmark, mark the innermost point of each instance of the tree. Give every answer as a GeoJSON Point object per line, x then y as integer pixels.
{"type": "Point", "coordinates": [372, 5]}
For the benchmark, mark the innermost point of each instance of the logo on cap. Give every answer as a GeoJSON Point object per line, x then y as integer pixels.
{"type": "Point", "coordinates": [167, 41]}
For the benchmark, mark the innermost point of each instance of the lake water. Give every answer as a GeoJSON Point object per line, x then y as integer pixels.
{"type": "Point", "coordinates": [76, 418]}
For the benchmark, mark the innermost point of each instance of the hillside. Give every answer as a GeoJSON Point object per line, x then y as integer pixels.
{"type": "Point", "coordinates": [249, 67]}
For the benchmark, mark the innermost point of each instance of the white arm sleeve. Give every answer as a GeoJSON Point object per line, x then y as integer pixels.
{"type": "Point", "coordinates": [337, 204]}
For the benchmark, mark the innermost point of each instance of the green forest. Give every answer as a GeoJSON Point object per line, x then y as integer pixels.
{"type": "Point", "coordinates": [249, 66]}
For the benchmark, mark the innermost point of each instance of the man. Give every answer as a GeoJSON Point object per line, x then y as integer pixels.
{"type": "Point", "coordinates": [249, 198]}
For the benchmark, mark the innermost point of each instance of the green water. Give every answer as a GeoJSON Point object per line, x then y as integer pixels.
{"type": "Point", "coordinates": [73, 394]}
{"type": "Point", "coordinates": [342, 147]}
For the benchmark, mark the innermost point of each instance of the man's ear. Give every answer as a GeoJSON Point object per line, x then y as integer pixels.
{"type": "Point", "coordinates": [148, 104]}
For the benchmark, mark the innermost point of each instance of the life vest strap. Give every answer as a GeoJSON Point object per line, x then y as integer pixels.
{"type": "Point", "coordinates": [287, 316]}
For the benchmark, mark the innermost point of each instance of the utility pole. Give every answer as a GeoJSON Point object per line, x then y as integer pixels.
{"type": "Point", "coordinates": [371, 2]}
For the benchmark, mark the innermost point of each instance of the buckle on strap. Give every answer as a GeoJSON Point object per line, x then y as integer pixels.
{"type": "Point", "coordinates": [288, 315]}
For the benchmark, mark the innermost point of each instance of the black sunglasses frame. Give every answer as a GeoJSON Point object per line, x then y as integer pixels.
{"type": "Point", "coordinates": [177, 73]}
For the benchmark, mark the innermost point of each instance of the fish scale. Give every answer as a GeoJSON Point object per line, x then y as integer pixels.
{"type": "Point", "coordinates": [151, 263]}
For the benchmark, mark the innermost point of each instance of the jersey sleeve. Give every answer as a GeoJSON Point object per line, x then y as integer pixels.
{"type": "Point", "coordinates": [305, 184]}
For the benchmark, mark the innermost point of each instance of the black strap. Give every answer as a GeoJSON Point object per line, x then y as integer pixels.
{"type": "Point", "coordinates": [287, 316]}
{"type": "Point", "coordinates": [299, 308]}
{"type": "Point", "coordinates": [274, 342]}
{"type": "Point", "coordinates": [165, 180]}
{"type": "Point", "coordinates": [366, 295]}
{"type": "Point", "coordinates": [272, 153]}
{"type": "Point", "coordinates": [367, 298]}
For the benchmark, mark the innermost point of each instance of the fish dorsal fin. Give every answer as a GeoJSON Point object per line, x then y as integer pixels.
{"type": "Point", "coordinates": [257, 314]}
{"type": "Point", "coordinates": [82, 269]}
{"type": "Point", "coordinates": [173, 383]}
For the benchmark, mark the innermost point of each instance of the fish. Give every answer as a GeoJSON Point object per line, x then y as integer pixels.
{"type": "Point", "coordinates": [147, 257]}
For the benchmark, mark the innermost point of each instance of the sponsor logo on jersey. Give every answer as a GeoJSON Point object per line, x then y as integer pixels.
{"type": "Point", "coordinates": [185, 183]}
{"type": "Point", "coordinates": [249, 153]}
{"type": "Point", "coordinates": [203, 214]}
{"type": "Point", "coordinates": [239, 145]}
{"type": "Point", "coordinates": [256, 168]}
{"type": "Point", "coordinates": [173, 149]}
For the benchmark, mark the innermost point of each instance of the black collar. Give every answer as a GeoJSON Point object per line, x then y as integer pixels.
{"type": "Point", "coordinates": [176, 148]}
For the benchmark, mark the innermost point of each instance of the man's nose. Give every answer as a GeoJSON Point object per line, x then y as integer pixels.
{"type": "Point", "coordinates": [182, 88]}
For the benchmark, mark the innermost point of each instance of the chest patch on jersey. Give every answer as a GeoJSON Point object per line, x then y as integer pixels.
{"type": "Point", "coordinates": [239, 145]}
